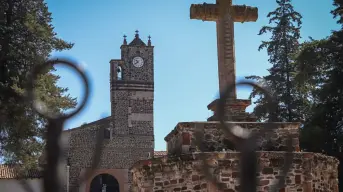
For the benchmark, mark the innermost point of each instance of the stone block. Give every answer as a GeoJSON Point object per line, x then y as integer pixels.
{"type": "Point", "coordinates": [182, 139]}
{"type": "Point", "coordinates": [183, 173]}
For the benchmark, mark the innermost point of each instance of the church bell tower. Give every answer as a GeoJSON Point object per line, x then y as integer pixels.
{"type": "Point", "coordinates": [132, 98]}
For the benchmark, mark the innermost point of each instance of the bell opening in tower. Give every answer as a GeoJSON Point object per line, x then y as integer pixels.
{"type": "Point", "coordinates": [119, 73]}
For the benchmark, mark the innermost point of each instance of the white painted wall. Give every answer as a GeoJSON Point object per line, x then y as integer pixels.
{"type": "Point", "coordinates": [14, 185]}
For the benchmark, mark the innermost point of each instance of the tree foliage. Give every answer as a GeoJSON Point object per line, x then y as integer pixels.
{"type": "Point", "coordinates": [320, 67]}
{"type": "Point", "coordinates": [284, 27]}
{"type": "Point", "coordinates": [27, 38]}
{"type": "Point", "coordinates": [306, 79]}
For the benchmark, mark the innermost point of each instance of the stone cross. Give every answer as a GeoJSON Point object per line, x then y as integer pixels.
{"type": "Point", "coordinates": [225, 14]}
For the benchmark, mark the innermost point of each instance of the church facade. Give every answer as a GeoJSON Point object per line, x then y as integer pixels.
{"type": "Point", "coordinates": [128, 161]}
{"type": "Point", "coordinates": [129, 131]}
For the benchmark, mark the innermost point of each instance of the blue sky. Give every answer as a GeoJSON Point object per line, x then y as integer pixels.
{"type": "Point", "coordinates": [185, 51]}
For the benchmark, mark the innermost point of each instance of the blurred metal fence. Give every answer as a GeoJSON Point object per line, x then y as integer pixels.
{"type": "Point", "coordinates": [54, 153]}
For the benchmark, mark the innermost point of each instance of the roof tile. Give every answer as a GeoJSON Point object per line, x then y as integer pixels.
{"type": "Point", "coordinates": [12, 172]}
{"type": "Point", "coordinates": [160, 153]}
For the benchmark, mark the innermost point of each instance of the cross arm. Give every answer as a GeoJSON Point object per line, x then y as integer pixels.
{"type": "Point", "coordinates": [210, 12]}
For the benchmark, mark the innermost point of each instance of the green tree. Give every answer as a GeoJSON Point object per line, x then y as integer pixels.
{"type": "Point", "coordinates": [317, 73]}
{"type": "Point", "coordinates": [320, 67]}
{"type": "Point", "coordinates": [27, 38]}
{"type": "Point", "coordinates": [284, 27]}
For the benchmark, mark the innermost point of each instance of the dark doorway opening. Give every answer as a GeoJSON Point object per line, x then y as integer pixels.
{"type": "Point", "coordinates": [104, 183]}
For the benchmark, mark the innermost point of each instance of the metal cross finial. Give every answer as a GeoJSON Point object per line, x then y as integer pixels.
{"type": "Point", "coordinates": [137, 35]}
{"type": "Point", "coordinates": [149, 41]}
{"type": "Point", "coordinates": [124, 42]}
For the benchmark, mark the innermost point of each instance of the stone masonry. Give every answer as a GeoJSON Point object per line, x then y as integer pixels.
{"type": "Point", "coordinates": [225, 33]}
{"type": "Point", "coordinates": [128, 132]}
{"type": "Point", "coordinates": [128, 147]}
{"type": "Point", "coordinates": [181, 139]}
{"type": "Point", "coordinates": [225, 14]}
{"type": "Point", "coordinates": [309, 172]}
{"type": "Point", "coordinates": [182, 168]}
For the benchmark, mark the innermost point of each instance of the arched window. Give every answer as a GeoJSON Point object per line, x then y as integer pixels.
{"type": "Point", "coordinates": [107, 133]}
{"type": "Point", "coordinates": [119, 73]}
{"type": "Point", "coordinates": [104, 183]}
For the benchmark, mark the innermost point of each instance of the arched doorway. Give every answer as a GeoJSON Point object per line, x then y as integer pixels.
{"type": "Point", "coordinates": [104, 183]}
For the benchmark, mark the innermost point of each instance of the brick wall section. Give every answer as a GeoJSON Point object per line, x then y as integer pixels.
{"type": "Point", "coordinates": [184, 173]}
{"type": "Point", "coordinates": [181, 139]}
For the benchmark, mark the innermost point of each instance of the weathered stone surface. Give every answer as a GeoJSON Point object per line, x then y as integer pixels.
{"type": "Point", "coordinates": [129, 131]}
{"type": "Point", "coordinates": [215, 139]}
{"type": "Point", "coordinates": [234, 110]}
{"type": "Point", "coordinates": [225, 35]}
{"type": "Point", "coordinates": [129, 142]}
{"type": "Point", "coordinates": [184, 172]}
{"type": "Point", "coordinates": [210, 12]}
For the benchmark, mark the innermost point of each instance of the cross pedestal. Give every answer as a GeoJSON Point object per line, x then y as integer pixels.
{"type": "Point", "coordinates": [234, 110]}
{"type": "Point", "coordinates": [225, 14]}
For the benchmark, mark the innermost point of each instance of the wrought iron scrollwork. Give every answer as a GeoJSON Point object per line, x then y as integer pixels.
{"type": "Point", "coordinates": [54, 153]}
{"type": "Point", "coordinates": [246, 144]}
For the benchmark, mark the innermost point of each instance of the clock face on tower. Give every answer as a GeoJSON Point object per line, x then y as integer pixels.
{"type": "Point", "coordinates": [138, 62]}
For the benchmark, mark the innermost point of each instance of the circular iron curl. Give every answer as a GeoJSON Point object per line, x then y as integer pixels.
{"type": "Point", "coordinates": [61, 118]}
{"type": "Point", "coordinates": [247, 146]}
{"type": "Point", "coordinates": [41, 68]}
{"type": "Point", "coordinates": [221, 109]}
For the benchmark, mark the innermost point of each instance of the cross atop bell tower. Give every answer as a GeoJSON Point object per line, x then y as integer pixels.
{"type": "Point", "coordinates": [225, 14]}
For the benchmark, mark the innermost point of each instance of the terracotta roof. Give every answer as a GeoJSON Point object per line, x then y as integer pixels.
{"type": "Point", "coordinates": [160, 153]}
{"type": "Point", "coordinates": [11, 172]}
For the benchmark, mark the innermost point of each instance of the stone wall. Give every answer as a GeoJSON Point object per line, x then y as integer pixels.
{"type": "Point", "coordinates": [119, 152]}
{"type": "Point", "coordinates": [129, 133]}
{"type": "Point", "coordinates": [182, 139]}
{"type": "Point", "coordinates": [234, 110]}
{"type": "Point", "coordinates": [324, 179]}
{"type": "Point", "coordinates": [144, 73]}
{"type": "Point", "coordinates": [309, 172]}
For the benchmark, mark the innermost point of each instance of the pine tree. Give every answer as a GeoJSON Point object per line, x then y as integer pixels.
{"type": "Point", "coordinates": [320, 66]}
{"type": "Point", "coordinates": [284, 26]}
{"type": "Point", "coordinates": [27, 38]}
